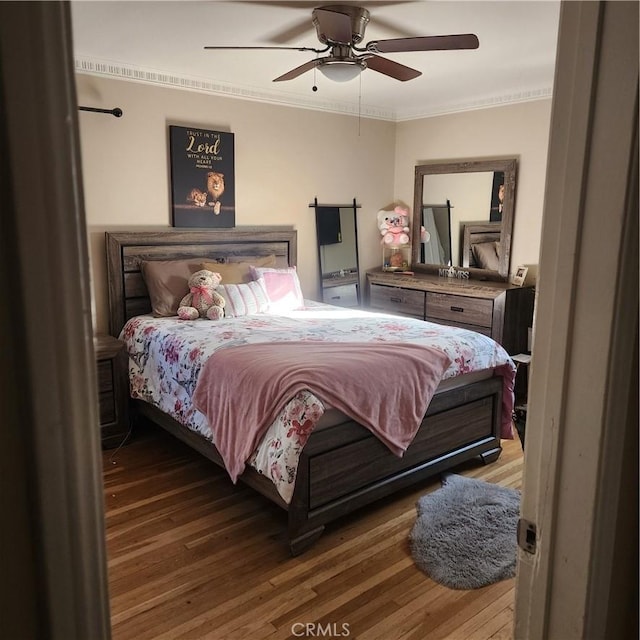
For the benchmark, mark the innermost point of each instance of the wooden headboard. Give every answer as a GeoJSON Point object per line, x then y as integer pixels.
{"type": "Point", "coordinates": [477, 233]}
{"type": "Point", "coordinates": [128, 294]}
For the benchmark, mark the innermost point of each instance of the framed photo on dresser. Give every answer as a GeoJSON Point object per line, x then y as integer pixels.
{"type": "Point", "coordinates": [519, 276]}
{"type": "Point", "coordinates": [202, 177]}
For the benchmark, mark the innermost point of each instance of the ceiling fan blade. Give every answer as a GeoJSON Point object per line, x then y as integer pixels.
{"type": "Point", "coordinates": [392, 69]}
{"type": "Point", "coordinates": [294, 73]}
{"type": "Point", "coordinates": [223, 47]}
{"type": "Point", "coordinates": [424, 43]}
{"type": "Point", "coordinates": [334, 26]}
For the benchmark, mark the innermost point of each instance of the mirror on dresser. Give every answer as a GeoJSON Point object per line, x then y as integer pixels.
{"type": "Point", "coordinates": [467, 207]}
{"type": "Point", "coordinates": [337, 240]}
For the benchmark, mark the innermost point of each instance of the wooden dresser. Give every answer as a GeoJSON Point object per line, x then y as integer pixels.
{"type": "Point", "coordinates": [113, 390]}
{"type": "Point", "coordinates": [497, 309]}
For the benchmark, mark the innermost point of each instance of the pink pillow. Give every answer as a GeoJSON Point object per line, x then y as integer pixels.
{"type": "Point", "coordinates": [283, 288]}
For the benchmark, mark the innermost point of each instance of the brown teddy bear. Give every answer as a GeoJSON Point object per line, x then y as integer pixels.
{"type": "Point", "coordinates": [202, 301]}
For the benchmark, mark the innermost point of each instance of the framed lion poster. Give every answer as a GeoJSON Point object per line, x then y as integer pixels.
{"type": "Point", "coordinates": [202, 178]}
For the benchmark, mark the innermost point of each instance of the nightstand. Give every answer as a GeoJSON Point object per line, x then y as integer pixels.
{"type": "Point", "coordinates": [522, 361]}
{"type": "Point", "coordinates": [113, 390]}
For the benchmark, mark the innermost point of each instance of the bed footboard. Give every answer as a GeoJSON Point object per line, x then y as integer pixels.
{"type": "Point", "coordinates": [345, 467]}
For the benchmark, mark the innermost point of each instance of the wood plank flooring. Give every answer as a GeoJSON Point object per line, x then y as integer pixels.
{"type": "Point", "coordinates": [193, 557]}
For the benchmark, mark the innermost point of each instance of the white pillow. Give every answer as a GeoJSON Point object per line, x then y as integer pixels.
{"type": "Point", "coordinates": [244, 299]}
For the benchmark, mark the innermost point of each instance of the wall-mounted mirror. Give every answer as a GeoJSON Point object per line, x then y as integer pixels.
{"type": "Point", "coordinates": [337, 236]}
{"type": "Point", "coordinates": [467, 207]}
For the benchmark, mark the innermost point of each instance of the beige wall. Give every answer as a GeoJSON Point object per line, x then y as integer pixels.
{"type": "Point", "coordinates": [520, 131]}
{"type": "Point", "coordinates": [285, 157]}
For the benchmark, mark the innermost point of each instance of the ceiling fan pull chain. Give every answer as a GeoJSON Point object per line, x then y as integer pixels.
{"type": "Point", "coordinates": [359, 101]}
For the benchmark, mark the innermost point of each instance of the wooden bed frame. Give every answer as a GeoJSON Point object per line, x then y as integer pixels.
{"type": "Point", "coordinates": [343, 467]}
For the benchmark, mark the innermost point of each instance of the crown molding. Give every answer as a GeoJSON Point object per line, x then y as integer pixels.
{"type": "Point", "coordinates": [132, 73]}
{"type": "Point", "coordinates": [488, 102]}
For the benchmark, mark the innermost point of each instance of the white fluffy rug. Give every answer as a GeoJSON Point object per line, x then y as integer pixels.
{"type": "Point", "coordinates": [465, 533]}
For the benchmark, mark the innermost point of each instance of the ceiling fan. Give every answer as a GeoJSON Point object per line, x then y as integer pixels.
{"type": "Point", "coordinates": [341, 28]}
{"type": "Point", "coordinates": [288, 33]}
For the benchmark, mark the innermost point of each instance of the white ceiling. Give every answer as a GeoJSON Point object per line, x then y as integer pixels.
{"type": "Point", "coordinates": [162, 42]}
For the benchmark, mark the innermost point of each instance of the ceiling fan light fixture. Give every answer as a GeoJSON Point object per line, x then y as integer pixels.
{"type": "Point", "coordinates": [342, 70]}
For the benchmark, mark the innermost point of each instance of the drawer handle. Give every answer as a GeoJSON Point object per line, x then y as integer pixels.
{"type": "Point", "coordinates": [335, 297]}
{"type": "Point", "coordinates": [459, 309]}
{"type": "Point", "coordinates": [395, 299]}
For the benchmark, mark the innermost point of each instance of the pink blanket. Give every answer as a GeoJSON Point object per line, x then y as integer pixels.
{"type": "Point", "coordinates": [384, 386]}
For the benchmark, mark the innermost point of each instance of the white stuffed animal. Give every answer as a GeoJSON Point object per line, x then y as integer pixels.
{"type": "Point", "coordinates": [394, 226]}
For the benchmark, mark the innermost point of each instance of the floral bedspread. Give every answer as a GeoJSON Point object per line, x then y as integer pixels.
{"type": "Point", "coordinates": [166, 355]}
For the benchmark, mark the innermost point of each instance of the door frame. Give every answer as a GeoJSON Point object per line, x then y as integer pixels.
{"type": "Point", "coordinates": [582, 393]}
{"type": "Point", "coordinates": [54, 556]}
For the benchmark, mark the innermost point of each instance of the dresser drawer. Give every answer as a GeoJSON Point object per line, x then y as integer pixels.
{"type": "Point", "coordinates": [397, 300]}
{"type": "Point", "coordinates": [105, 375]}
{"type": "Point", "coordinates": [472, 327]}
{"type": "Point", "coordinates": [461, 309]}
{"type": "Point", "coordinates": [345, 295]}
{"type": "Point", "coordinates": [108, 411]}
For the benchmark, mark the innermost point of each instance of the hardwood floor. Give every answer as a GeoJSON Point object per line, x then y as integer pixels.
{"type": "Point", "coordinates": [192, 556]}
